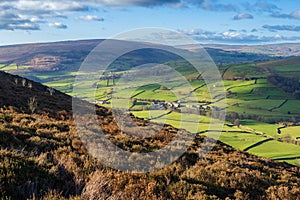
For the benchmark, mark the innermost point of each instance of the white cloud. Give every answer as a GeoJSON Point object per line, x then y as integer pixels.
{"type": "Point", "coordinates": [91, 18]}
{"type": "Point", "coordinates": [243, 16]}
{"type": "Point", "coordinates": [144, 3]}
{"type": "Point", "coordinates": [296, 14]}
{"type": "Point", "coordinates": [213, 5]}
{"type": "Point", "coordinates": [30, 14]}
{"type": "Point", "coordinates": [24, 26]}
{"type": "Point", "coordinates": [13, 21]}
{"type": "Point", "coordinates": [265, 7]}
{"type": "Point", "coordinates": [22, 14]}
{"type": "Point", "coordinates": [277, 36]}
{"type": "Point", "coordinates": [44, 6]}
{"type": "Point", "coordinates": [58, 25]}
{"type": "Point", "coordinates": [233, 36]}
{"type": "Point", "coordinates": [293, 15]}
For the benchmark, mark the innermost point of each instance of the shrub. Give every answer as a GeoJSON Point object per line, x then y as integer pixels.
{"type": "Point", "coordinates": [32, 104]}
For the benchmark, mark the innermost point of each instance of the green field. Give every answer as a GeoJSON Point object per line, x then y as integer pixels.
{"type": "Point", "coordinates": [12, 67]}
{"type": "Point", "coordinates": [292, 107]}
{"type": "Point", "coordinates": [269, 129]}
{"type": "Point", "coordinates": [276, 150]}
{"type": "Point", "coordinates": [293, 131]}
{"type": "Point", "coordinates": [233, 136]}
{"type": "Point", "coordinates": [250, 99]}
{"type": "Point", "coordinates": [240, 140]}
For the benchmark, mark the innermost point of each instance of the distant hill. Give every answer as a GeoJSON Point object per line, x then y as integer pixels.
{"type": "Point", "coordinates": [48, 56]}
{"type": "Point", "coordinates": [283, 63]}
{"type": "Point", "coordinates": [281, 50]}
{"type": "Point", "coordinates": [68, 55]}
{"type": "Point", "coordinates": [42, 156]}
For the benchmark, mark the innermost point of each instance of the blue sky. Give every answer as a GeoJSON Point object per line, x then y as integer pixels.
{"type": "Point", "coordinates": [208, 21]}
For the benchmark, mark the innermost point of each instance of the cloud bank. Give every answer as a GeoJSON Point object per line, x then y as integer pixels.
{"type": "Point", "coordinates": [31, 14]}
{"type": "Point", "coordinates": [234, 36]}
{"type": "Point", "coordinates": [275, 28]}
{"type": "Point", "coordinates": [293, 15]}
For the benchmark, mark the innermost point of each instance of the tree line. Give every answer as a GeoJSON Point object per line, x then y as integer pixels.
{"type": "Point", "coordinates": [288, 84]}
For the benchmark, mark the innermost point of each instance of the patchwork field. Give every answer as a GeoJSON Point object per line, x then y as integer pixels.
{"type": "Point", "coordinates": [256, 141]}
{"type": "Point", "coordinates": [258, 105]}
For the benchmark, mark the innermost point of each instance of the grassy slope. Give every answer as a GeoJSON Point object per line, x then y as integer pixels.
{"type": "Point", "coordinates": [293, 131]}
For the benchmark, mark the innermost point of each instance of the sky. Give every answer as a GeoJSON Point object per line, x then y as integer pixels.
{"type": "Point", "coordinates": [207, 21]}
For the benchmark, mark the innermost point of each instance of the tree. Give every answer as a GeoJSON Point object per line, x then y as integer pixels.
{"type": "Point", "coordinates": [162, 87]}
{"type": "Point", "coordinates": [134, 101]}
{"type": "Point", "coordinates": [107, 81]}
{"type": "Point", "coordinates": [32, 104]}
{"type": "Point", "coordinates": [278, 131]}
{"type": "Point", "coordinates": [16, 81]}
{"type": "Point", "coordinates": [51, 91]}
{"type": "Point", "coordinates": [237, 122]}
{"type": "Point", "coordinates": [23, 82]}
{"type": "Point", "coordinates": [113, 78]}
{"type": "Point", "coordinates": [29, 85]}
